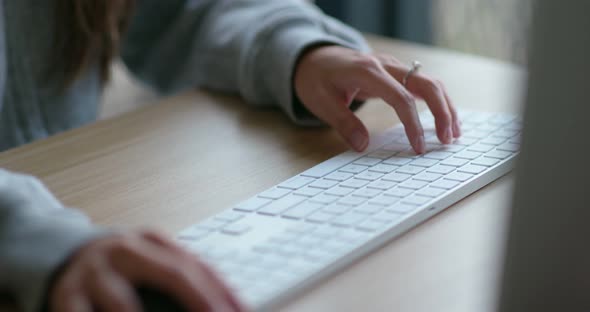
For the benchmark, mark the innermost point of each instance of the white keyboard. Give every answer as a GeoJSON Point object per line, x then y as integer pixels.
{"type": "Point", "coordinates": [281, 241]}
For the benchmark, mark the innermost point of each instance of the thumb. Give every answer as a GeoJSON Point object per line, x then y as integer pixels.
{"type": "Point", "coordinates": [347, 124]}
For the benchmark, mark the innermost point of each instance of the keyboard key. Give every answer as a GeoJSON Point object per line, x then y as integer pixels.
{"type": "Point", "coordinates": [296, 182]}
{"type": "Point", "coordinates": [427, 177]}
{"type": "Point", "coordinates": [369, 176]}
{"type": "Point", "coordinates": [275, 193]}
{"type": "Point", "coordinates": [515, 140]}
{"type": "Point", "coordinates": [480, 148]}
{"type": "Point", "coordinates": [473, 169]}
{"type": "Point", "coordinates": [438, 155]}
{"type": "Point", "coordinates": [396, 147]}
{"type": "Point", "coordinates": [386, 217]}
{"type": "Point", "coordinates": [301, 228]}
{"type": "Point", "coordinates": [416, 200]}
{"type": "Point", "coordinates": [399, 192]}
{"type": "Point", "coordinates": [430, 192]}
{"type": "Point", "coordinates": [336, 208]}
{"type": "Point", "coordinates": [281, 205]}
{"type": "Point", "coordinates": [396, 177]}
{"type": "Point", "coordinates": [382, 154]}
{"type": "Point", "coordinates": [353, 168]}
{"type": "Point", "coordinates": [413, 184]}
{"type": "Point", "coordinates": [339, 176]}
{"type": "Point", "coordinates": [193, 234]}
{"type": "Point", "coordinates": [324, 199]}
{"type": "Point", "coordinates": [323, 184]}
{"type": "Point", "coordinates": [308, 191]}
{"type": "Point", "coordinates": [352, 200]}
{"type": "Point", "coordinates": [384, 200]}
{"type": "Point", "coordinates": [458, 176]}
{"type": "Point", "coordinates": [493, 141]}
{"type": "Point", "coordinates": [465, 141]}
{"type": "Point", "coordinates": [236, 229]}
{"type": "Point", "coordinates": [505, 133]}
{"type": "Point", "coordinates": [487, 127]}
{"type": "Point", "coordinates": [455, 162]}
{"type": "Point", "coordinates": [366, 192]}
{"type": "Point", "coordinates": [402, 208]}
{"type": "Point", "coordinates": [352, 237]}
{"type": "Point", "coordinates": [320, 217]}
{"type": "Point", "coordinates": [509, 147]}
{"type": "Point", "coordinates": [367, 161]}
{"type": "Point", "coordinates": [252, 204]}
{"type": "Point", "coordinates": [326, 232]}
{"type": "Point", "coordinates": [409, 169]}
{"type": "Point", "coordinates": [467, 155]}
{"type": "Point", "coordinates": [339, 191]}
{"type": "Point", "coordinates": [368, 209]}
{"type": "Point", "coordinates": [370, 226]}
{"type": "Point", "coordinates": [397, 161]}
{"type": "Point", "coordinates": [452, 148]}
{"type": "Point", "coordinates": [302, 210]}
{"type": "Point", "coordinates": [424, 162]}
{"type": "Point", "coordinates": [326, 167]}
{"type": "Point", "coordinates": [383, 168]}
{"type": "Point", "coordinates": [229, 216]}
{"type": "Point", "coordinates": [498, 154]}
{"type": "Point", "coordinates": [441, 169]}
{"type": "Point", "coordinates": [211, 224]}
{"type": "Point", "coordinates": [501, 119]}
{"type": "Point", "coordinates": [444, 184]}
{"type": "Point", "coordinates": [408, 154]}
{"type": "Point", "coordinates": [485, 161]}
{"type": "Point", "coordinates": [349, 219]}
{"type": "Point", "coordinates": [381, 185]}
{"type": "Point", "coordinates": [474, 134]}
{"type": "Point", "coordinates": [354, 183]}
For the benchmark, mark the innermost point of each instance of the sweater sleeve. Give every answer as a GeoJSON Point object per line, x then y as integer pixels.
{"type": "Point", "coordinates": [37, 234]}
{"type": "Point", "coordinates": [247, 47]}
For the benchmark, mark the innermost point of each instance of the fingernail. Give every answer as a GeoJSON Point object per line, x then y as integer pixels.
{"type": "Point", "coordinates": [448, 136]}
{"type": "Point", "coordinates": [359, 140]}
{"type": "Point", "coordinates": [420, 145]}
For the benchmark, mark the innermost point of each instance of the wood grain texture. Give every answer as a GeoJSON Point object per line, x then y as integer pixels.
{"type": "Point", "coordinates": [169, 165]}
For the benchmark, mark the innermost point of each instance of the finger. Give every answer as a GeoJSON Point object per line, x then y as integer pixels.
{"type": "Point", "coordinates": [335, 112]}
{"type": "Point", "coordinates": [431, 91]}
{"type": "Point", "coordinates": [434, 96]}
{"type": "Point", "coordinates": [110, 292]}
{"type": "Point", "coordinates": [232, 299]}
{"type": "Point", "coordinates": [149, 265]}
{"type": "Point", "coordinates": [455, 116]}
{"type": "Point", "coordinates": [379, 83]}
{"type": "Point", "coordinates": [74, 301]}
{"type": "Point", "coordinates": [166, 243]}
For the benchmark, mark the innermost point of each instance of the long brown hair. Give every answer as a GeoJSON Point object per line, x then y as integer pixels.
{"type": "Point", "coordinates": [88, 34]}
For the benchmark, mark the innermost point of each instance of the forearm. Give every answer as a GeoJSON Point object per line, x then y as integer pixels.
{"type": "Point", "coordinates": [237, 46]}
{"type": "Point", "coordinates": [37, 234]}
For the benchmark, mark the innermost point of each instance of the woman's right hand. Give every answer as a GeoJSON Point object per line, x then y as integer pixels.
{"type": "Point", "coordinates": [103, 275]}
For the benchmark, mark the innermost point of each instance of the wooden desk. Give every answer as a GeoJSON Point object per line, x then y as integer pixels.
{"type": "Point", "coordinates": [169, 165]}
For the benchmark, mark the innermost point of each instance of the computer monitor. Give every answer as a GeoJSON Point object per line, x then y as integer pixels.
{"type": "Point", "coordinates": [547, 264]}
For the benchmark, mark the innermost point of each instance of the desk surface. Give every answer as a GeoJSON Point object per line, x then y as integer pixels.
{"type": "Point", "coordinates": [169, 165]}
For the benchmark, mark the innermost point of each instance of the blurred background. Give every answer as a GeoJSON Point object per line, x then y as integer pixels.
{"type": "Point", "coordinates": [491, 28]}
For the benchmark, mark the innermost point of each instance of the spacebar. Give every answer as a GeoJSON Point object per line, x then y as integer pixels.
{"type": "Point", "coordinates": [331, 164]}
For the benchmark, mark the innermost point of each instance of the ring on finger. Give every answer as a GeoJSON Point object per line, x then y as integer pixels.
{"type": "Point", "coordinates": [416, 65]}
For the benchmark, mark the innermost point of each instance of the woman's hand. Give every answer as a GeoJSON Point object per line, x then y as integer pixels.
{"type": "Point", "coordinates": [103, 276]}
{"type": "Point", "coordinates": [329, 78]}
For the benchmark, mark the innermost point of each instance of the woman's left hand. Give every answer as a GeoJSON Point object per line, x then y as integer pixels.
{"type": "Point", "coordinates": [329, 78]}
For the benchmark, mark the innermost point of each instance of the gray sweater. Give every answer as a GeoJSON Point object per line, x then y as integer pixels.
{"type": "Point", "coordinates": [248, 47]}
